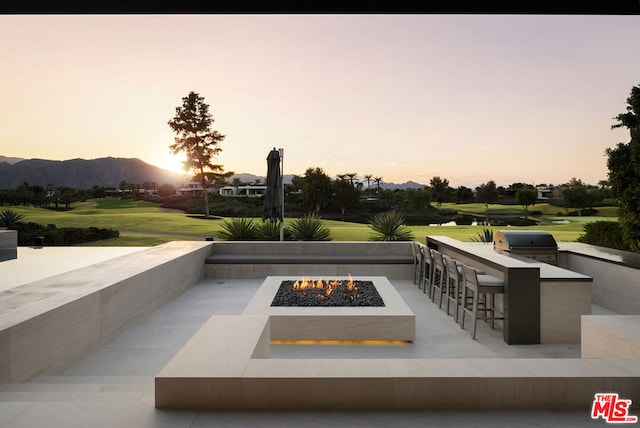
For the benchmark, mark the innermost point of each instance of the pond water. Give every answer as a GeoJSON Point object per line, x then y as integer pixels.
{"type": "Point", "coordinates": [452, 223]}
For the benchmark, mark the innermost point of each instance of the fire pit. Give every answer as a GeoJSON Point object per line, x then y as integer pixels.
{"type": "Point", "coordinates": [328, 292]}
{"type": "Point", "coordinates": [393, 320]}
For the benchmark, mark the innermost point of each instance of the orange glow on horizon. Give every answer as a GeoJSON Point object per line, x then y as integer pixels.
{"type": "Point", "coordinates": [340, 342]}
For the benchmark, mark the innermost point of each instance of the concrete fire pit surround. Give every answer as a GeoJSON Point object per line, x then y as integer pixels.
{"type": "Point", "coordinates": [226, 365]}
{"type": "Point", "coordinates": [394, 321]}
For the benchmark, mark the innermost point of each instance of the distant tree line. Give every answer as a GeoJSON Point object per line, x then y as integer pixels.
{"type": "Point", "coordinates": [61, 197]}
{"type": "Point", "coordinates": [346, 197]}
{"type": "Point", "coordinates": [316, 192]}
{"type": "Point", "coordinates": [47, 196]}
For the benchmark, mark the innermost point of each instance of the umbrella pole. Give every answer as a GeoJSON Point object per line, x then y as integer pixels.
{"type": "Point", "coordinates": [282, 188]}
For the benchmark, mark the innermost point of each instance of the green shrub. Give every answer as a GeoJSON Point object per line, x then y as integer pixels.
{"type": "Point", "coordinates": [389, 226]}
{"type": "Point", "coordinates": [485, 236]}
{"type": "Point", "coordinates": [604, 234]}
{"type": "Point", "coordinates": [237, 206]}
{"type": "Point", "coordinates": [76, 235]}
{"type": "Point", "coordinates": [188, 204]}
{"type": "Point", "coordinates": [583, 213]}
{"type": "Point", "coordinates": [447, 212]}
{"type": "Point", "coordinates": [309, 228]}
{"type": "Point", "coordinates": [465, 220]}
{"type": "Point", "coordinates": [238, 229]}
{"type": "Point", "coordinates": [64, 236]}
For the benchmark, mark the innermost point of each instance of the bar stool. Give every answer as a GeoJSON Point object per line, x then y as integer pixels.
{"type": "Point", "coordinates": [454, 282]}
{"type": "Point", "coordinates": [418, 263]}
{"type": "Point", "coordinates": [438, 276]}
{"type": "Point", "coordinates": [453, 289]}
{"type": "Point", "coordinates": [486, 286]}
{"type": "Point", "coordinates": [427, 270]}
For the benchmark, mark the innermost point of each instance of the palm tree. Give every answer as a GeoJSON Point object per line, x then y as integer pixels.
{"type": "Point", "coordinates": [236, 183]}
{"type": "Point", "coordinates": [368, 178]}
{"type": "Point", "coordinates": [378, 180]}
{"type": "Point", "coordinates": [352, 176]}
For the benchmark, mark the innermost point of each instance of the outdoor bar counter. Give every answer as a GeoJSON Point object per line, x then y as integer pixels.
{"type": "Point", "coordinates": [542, 303]}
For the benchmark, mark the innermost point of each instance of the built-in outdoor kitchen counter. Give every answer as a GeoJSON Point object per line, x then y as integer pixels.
{"type": "Point", "coordinates": [542, 303]}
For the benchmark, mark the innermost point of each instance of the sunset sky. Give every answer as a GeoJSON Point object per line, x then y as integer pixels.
{"type": "Point", "coordinates": [470, 98]}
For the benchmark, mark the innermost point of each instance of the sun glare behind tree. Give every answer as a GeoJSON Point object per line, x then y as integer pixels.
{"type": "Point", "coordinates": [172, 162]}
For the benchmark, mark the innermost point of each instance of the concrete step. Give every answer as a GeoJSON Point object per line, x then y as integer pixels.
{"type": "Point", "coordinates": [92, 379]}
{"type": "Point", "coordinates": [78, 389]}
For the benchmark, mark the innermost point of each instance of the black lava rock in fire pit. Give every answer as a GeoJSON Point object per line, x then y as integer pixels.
{"type": "Point", "coordinates": [327, 293]}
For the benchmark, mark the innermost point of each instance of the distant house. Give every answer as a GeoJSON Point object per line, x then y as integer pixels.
{"type": "Point", "coordinates": [193, 188]}
{"type": "Point", "coordinates": [246, 190]}
{"type": "Point", "coordinates": [544, 192]}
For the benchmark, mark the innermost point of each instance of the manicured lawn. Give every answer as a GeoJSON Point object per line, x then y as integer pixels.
{"type": "Point", "coordinates": [145, 224]}
{"type": "Point", "coordinates": [140, 223]}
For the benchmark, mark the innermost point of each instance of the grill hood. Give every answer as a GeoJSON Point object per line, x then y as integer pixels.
{"type": "Point", "coordinates": [510, 240]}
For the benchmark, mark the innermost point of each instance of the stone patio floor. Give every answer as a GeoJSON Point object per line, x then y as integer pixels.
{"type": "Point", "coordinates": [114, 386]}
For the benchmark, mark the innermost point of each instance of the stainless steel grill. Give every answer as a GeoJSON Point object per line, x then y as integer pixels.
{"type": "Point", "coordinates": [534, 244]}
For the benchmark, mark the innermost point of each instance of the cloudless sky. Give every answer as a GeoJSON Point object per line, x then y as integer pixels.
{"type": "Point", "coordinates": [470, 98]}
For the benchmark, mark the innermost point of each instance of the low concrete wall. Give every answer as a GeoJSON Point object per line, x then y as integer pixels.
{"type": "Point", "coordinates": [562, 304]}
{"type": "Point", "coordinates": [249, 259]}
{"type": "Point", "coordinates": [226, 365]}
{"type": "Point", "coordinates": [610, 336]}
{"type": "Point", "coordinates": [615, 286]}
{"type": "Point", "coordinates": [65, 317]}
{"type": "Point", "coordinates": [8, 244]}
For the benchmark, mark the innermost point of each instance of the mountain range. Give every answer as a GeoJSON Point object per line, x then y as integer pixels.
{"type": "Point", "coordinates": [81, 173]}
{"type": "Point", "coordinates": [109, 172]}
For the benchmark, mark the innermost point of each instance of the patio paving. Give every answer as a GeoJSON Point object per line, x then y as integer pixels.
{"type": "Point", "coordinates": [114, 386]}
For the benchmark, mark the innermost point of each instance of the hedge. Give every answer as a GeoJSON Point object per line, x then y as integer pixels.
{"type": "Point", "coordinates": [29, 232]}
{"type": "Point", "coordinates": [604, 234]}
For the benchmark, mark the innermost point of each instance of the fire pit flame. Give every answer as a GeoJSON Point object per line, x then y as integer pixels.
{"type": "Point", "coordinates": [327, 292]}
{"type": "Point", "coordinates": [328, 286]}
{"type": "Point", "coordinates": [309, 284]}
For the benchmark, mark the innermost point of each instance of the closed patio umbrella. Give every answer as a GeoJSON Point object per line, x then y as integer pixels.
{"type": "Point", "coordinates": [273, 198]}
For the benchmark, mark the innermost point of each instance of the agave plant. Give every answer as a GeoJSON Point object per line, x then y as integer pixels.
{"type": "Point", "coordinates": [309, 228]}
{"type": "Point", "coordinates": [270, 231]}
{"type": "Point", "coordinates": [10, 218]}
{"type": "Point", "coordinates": [238, 229]}
{"type": "Point", "coordinates": [389, 226]}
{"type": "Point", "coordinates": [485, 236]}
